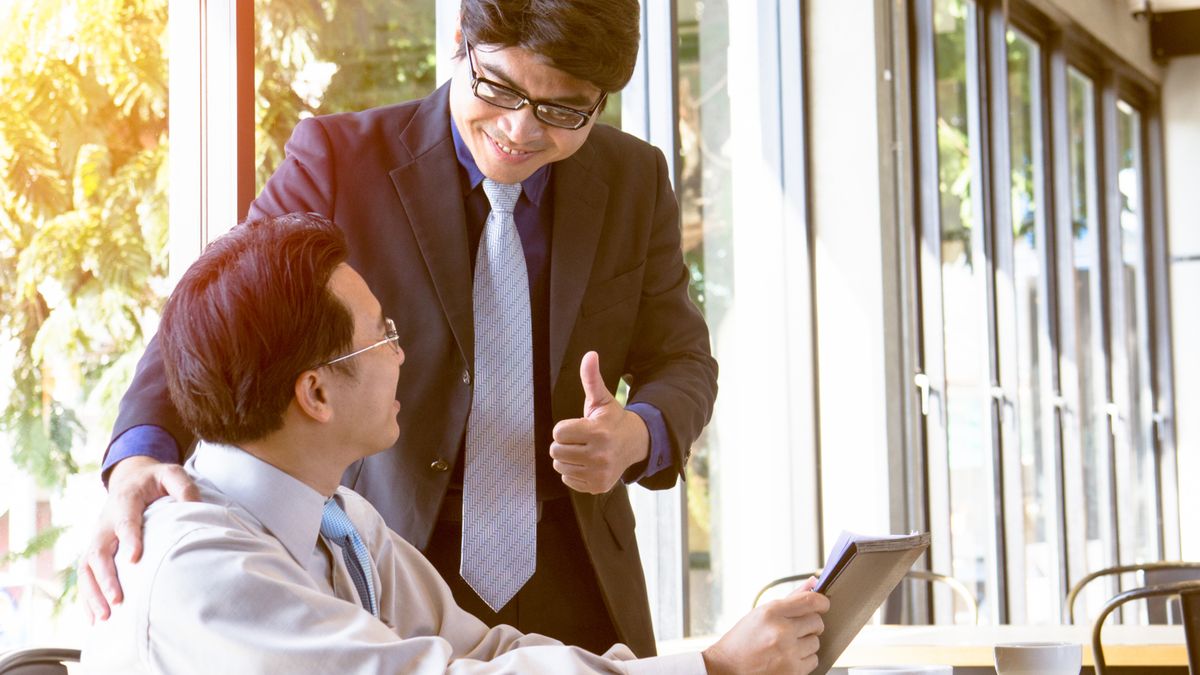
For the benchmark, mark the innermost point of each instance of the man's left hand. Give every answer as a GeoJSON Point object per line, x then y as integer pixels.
{"type": "Point", "coordinates": [593, 451]}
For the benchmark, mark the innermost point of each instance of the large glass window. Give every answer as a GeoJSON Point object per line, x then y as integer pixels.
{"type": "Point", "coordinates": [1134, 434]}
{"type": "Point", "coordinates": [83, 265]}
{"type": "Point", "coordinates": [706, 204]}
{"type": "Point", "coordinates": [964, 270]}
{"type": "Point", "coordinates": [1036, 434]}
{"type": "Point", "coordinates": [313, 58]}
{"type": "Point", "coordinates": [1090, 366]}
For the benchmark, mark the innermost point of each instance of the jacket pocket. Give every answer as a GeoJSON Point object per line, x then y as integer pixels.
{"type": "Point", "coordinates": [606, 294]}
{"type": "Point", "coordinates": [618, 514]}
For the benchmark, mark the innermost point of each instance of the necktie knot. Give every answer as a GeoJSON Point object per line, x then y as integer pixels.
{"type": "Point", "coordinates": [502, 196]}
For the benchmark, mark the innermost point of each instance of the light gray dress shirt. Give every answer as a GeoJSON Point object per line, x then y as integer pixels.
{"type": "Point", "coordinates": [242, 582]}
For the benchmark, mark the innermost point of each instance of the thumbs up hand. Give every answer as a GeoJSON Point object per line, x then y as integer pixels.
{"type": "Point", "coordinates": [592, 452]}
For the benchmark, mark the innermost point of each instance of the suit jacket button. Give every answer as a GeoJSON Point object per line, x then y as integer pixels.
{"type": "Point", "coordinates": [439, 466]}
{"type": "Point", "coordinates": [466, 377]}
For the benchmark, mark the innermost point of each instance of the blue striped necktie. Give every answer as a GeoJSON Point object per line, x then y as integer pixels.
{"type": "Point", "coordinates": [499, 529]}
{"type": "Point", "coordinates": [336, 527]}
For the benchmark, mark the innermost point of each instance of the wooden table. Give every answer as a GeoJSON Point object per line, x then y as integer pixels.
{"type": "Point", "coordinates": [971, 646]}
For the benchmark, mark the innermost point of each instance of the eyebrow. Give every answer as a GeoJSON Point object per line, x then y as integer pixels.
{"type": "Point", "coordinates": [577, 101]}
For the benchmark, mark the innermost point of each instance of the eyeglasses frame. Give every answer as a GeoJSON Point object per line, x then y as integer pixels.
{"type": "Point", "coordinates": [390, 335]}
{"type": "Point", "coordinates": [585, 116]}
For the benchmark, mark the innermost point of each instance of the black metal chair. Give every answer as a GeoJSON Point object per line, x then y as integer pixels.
{"type": "Point", "coordinates": [37, 661]}
{"type": "Point", "coordinates": [1159, 610]}
{"type": "Point", "coordinates": [891, 608]}
{"type": "Point", "coordinates": [1189, 594]}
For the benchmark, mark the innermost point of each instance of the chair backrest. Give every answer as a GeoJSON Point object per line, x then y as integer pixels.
{"type": "Point", "coordinates": [1155, 573]}
{"type": "Point", "coordinates": [37, 661]}
{"type": "Point", "coordinates": [893, 607]}
{"type": "Point", "coordinates": [1187, 591]}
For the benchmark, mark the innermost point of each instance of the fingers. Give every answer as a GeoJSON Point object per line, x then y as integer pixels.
{"type": "Point", "coordinates": [809, 624]}
{"type": "Point", "coordinates": [94, 604]}
{"type": "Point", "coordinates": [579, 455]}
{"type": "Point", "coordinates": [799, 603]}
{"type": "Point", "coordinates": [97, 575]}
{"type": "Point", "coordinates": [584, 469]}
{"type": "Point", "coordinates": [580, 485]}
{"type": "Point", "coordinates": [595, 393]}
{"type": "Point", "coordinates": [808, 664]}
{"type": "Point", "coordinates": [176, 483]}
{"type": "Point", "coordinates": [578, 431]}
{"type": "Point", "coordinates": [129, 533]}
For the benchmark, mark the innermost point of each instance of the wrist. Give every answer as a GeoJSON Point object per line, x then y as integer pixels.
{"type": "Point", "coordinates": [639, 448]}
{"type": "Point", "coordinates": [127, 466]}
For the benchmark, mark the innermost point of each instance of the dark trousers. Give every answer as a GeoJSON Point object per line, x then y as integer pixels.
{"type": "Point", "coordinates": [562, 599]}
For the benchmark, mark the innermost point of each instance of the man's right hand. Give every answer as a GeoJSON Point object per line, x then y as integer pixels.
{"type": "Point", "coordinates": [780, 636]}
{"type": "Point", "coordinates": [134, 484]}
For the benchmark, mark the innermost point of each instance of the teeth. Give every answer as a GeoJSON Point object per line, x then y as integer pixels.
{"type": "Point", "coordinates": [507, 150]}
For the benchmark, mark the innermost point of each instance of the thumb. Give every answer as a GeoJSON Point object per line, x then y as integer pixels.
{"type": "Point", "coordinates": [595, 394]}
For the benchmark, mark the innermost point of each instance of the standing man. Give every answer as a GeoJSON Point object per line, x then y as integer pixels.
{"type": "Point", "coordinates": [515, 237]}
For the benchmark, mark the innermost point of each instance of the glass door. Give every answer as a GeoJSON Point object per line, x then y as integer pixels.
{"type": "Point", "coordinates": [1132, 424]}
{"type": "Point", "coordinates": [1034, 557]}
{"type": "Point", "coordinates": [1088, 481]}
{"type": "Point", "coordinates": [961, 437]}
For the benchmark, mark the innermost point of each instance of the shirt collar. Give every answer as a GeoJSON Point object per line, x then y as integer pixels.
{"type": "Point", "coordinates": [289, 509]}
{"type": "Point", "coordinates": [532, 188]}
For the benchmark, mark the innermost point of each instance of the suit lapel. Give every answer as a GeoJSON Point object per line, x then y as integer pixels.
{"type": "Point", "coordinates": [580, 199]}
{"type": "Point", "coordinates": [429, 187]}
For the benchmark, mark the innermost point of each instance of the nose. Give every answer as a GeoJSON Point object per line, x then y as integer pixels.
{"type": "Point", "coordinates": [520, 126]}
{"type": "Point", "coordinates": [400, 355]}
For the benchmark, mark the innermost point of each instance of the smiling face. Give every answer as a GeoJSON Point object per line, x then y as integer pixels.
{"type": "Point", "coordinates": [510, 145]}
{"type": "Point", "coordinates": [366, 403]}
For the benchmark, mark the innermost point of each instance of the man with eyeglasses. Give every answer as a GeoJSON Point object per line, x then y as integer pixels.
{"type": "Point", "coordinates": [524, 243]}
{"type": "Point", "coordinates": [278, 355]}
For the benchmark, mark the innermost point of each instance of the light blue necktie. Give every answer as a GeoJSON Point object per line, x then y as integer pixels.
{"type": "Point", "coordinates": [499, 535]}
{"type": "Point", "coordinates": [336, 527]}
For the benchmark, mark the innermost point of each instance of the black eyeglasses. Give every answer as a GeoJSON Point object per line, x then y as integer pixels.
{"type": "Point", "coordinates": [510, 99]}
{"type": "Point", "coordinates": [390, 336]}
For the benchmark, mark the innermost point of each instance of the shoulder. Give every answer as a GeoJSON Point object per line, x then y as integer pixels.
{"type": "Point", "coordinates": [360, 126]}
{"type": "Point", "coordinates": [621, 160]}
{"type": "Point", "coordinates": [182, 535]}
{"type": "Point", "coordinates": [613, 146]}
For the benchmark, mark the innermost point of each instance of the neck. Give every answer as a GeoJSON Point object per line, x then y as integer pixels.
{"type": "Point", "coordinates": [303, 456]}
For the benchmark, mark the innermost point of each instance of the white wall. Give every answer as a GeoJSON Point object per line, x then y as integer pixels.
{"type": "Point", "coordinates": [1181, 118]}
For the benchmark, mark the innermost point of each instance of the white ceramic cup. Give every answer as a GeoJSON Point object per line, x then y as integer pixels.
{"type": "Point", "coordinates": [901, 670]}
{"type": "Point", "coordinates": [1039, 658]}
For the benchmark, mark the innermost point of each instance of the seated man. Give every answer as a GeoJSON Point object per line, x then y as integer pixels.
{"type": "Point", "coordinates": [278, 357]}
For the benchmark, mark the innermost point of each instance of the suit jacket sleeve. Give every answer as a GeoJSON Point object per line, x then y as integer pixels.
{"type": "Point", "coordinates": [669, 361]}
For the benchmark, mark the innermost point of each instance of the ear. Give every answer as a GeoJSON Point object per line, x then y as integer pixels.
{"type": "Point", "coordinates": [458, 31]}
{"type": "Point", "coordinates": [312, 396]}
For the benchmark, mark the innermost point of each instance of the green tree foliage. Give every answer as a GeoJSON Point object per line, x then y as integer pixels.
{"type": "Point", "coordinates": [315, 57]}
{"type": "Point", "coordinates": [83, 211]}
